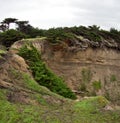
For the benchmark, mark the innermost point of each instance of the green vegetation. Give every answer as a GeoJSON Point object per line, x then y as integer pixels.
{"type": "Point", "coordinates": [69, 35]}
{"type": "Point", "coordinates": [24, 100]}
{"type": "Point", "coordinates": [7, 38]}
{"type": "Point", "coordinates": [2, 52]}
{"type": "Point", "coordinates": [42, 74]}
{"type": "Point", "coordinates": [86, 111]}
{"type": "Point", "coordinates": [91, 33]}
{"type": "Point", "coordinates": [33, 85]}
{"type": "Point", "coordinates": [57, 35]}
{"type": "Point", "coordinates": [113, 78]}
{"type": "Point", "coordinates": [92, 104]}
{"type": "Point", "coordinates": [96, 85]}
{"type": "Point", "coordinates": [28, 82]}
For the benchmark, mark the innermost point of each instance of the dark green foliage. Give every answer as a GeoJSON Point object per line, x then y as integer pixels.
{"type": "Point", "coordinates": [34, 32]}
{"type": "Point", "coordinates": [22, 26]}
{"type": "Point", "coordinates": [67, 34]}
{"type": "Point", "coordinates": [42, 74]}
{"type": "Point", "coordinates": [26, 28]}
{"type": "Point", "coordinates": [7, 38]}
{"type": "Point", "coordinates": [90, 33]}
{"type": "Point", "coordinates": [113, 34]}
{"type": "Point", "coordinates": [3, 27]}
{"type": "Point", "coordinates": [57, 35]}
{"type": "Point", "coordinates": [5, 24]}
{"type": "Point", "coordinates": [115, 31]}
{"type": "Point", "coordinates": [95, 35]}
{"type": "Point", "coordinates": [94, 28]}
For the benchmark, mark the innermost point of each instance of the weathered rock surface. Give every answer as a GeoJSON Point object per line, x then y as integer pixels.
{"type": "Point", "coordinates": [92, 71]}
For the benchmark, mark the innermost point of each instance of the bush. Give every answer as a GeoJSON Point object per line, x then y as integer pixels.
{"type": "Point", "coordinates": [59, 34]}
{"type": "Point", "coordinates": [42, 74]}
{"type": "Point", "coordinates": [7, 38]}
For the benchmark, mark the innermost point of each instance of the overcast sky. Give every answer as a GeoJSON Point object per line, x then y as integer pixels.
{"type": "Point", "coordinates": [57, 13]}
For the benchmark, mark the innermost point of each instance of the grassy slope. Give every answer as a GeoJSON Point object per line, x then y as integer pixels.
{"type": "Point", "coordinates": [47, 107]}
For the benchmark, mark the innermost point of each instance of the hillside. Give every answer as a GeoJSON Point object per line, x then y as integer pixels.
{"type": "Point", "coordinates": [22, 100]}
{"type": "Point", "coordinates": [65, 63]}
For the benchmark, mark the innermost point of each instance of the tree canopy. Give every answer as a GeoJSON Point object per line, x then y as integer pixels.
{"type": "Point", "coordinates": [54, 35]}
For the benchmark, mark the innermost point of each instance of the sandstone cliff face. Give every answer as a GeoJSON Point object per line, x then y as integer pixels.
{"type": "Point", "coordinates": [92, 71]}
{"type": "Point", "coordinates": [88, 72]}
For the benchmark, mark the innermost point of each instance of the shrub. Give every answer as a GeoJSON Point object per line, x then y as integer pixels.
{"type": "Point", "coordinates": [115, 31]}
{"type": "Point", "coordinates": [42, 74]}
{"type": "Point", "coordinates": [57, 35]}
{"type": "Point", "coordinates": [7, 38]}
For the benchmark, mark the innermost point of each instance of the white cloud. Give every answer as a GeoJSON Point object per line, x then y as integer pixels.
{"type": "Point", "coordinates": [54, 13]}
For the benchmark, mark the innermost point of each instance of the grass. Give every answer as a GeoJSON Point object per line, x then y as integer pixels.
{"type": "Point", "coordinates": [91, 111]}
{"type": "Point", "coordinates": [92, 104]}
{"type": "Point", "coordinates": [86, 111]}
{"type": "Point", "coordinates": [28, 82]}
{"type": "Point", "coordinates": [31, 84]}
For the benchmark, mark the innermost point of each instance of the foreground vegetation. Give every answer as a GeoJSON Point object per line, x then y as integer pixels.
{"type": "Point", "coordinates": [89, 110]}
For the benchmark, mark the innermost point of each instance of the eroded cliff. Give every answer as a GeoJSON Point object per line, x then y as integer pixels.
{"type": "Point", "coordinates": [22, 99]}
{"type": "Point", "coordinates": [87, 70]}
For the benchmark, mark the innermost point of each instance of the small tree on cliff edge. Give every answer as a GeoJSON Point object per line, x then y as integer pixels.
{"type": "Point", "coordinates": [7, 22]}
